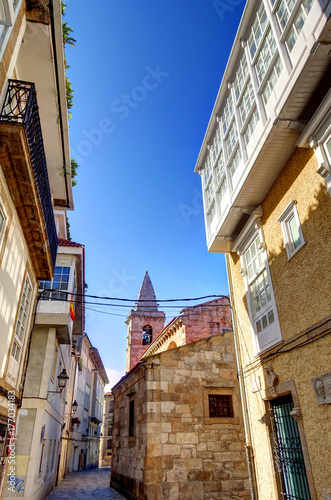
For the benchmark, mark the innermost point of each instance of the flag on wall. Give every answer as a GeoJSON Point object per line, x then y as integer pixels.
{"type": "Point", "coordinates": [72, 310]}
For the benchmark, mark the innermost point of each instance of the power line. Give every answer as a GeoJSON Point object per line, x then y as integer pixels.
{"type": "Point", "coordinates": [85, 302]}
{"type": "Point", "coordinates": [215, 296]}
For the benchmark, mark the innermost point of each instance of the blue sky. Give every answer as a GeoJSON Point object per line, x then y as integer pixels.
{"type": "Point", "coordinates": [145, 75]}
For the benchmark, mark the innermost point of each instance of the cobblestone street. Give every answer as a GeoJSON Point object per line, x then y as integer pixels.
{"type": "Point", "coordinates": [92, 483]}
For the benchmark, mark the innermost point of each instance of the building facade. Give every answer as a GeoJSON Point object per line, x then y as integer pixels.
{"type": "Point", "coordinates": [265, 168]}
{"type": "Point", "coordinates": [82, 432]}
{"type": "Point", "coordinates": [144, 323]}
{"type": "Point", "coordinates": [34, 152]}
{"type": "Point", "coordinates": [46, 407]}
{"type": "Point", "coordinates": [178, 425]}
{"type": "Point", "coordinates": [107, 430]}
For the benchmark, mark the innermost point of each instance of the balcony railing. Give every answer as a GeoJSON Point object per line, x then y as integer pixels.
{"type": "Point", "coordinates": [20, 108]}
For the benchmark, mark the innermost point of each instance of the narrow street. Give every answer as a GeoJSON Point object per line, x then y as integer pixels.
{"type": "Point", "coordinates": [91, 483]}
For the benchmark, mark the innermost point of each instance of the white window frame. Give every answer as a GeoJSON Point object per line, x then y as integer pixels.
{"type": "Point", "coordinates": [258, 28]}
{"type": "Point", "coordinates": [4, 216]}
{"type": "Point", "coordinates": [244, 241]}
{"type": "Point", "coordinates": [7, 12]}
{"type": "Point", "coordinates": [242, 75]}
{"type": "Point", "coordinates": [18, 345]}
{"type": "Point", "coordinates": [285, 217]}
{"type": "Point", "coordinates": [60, 293]}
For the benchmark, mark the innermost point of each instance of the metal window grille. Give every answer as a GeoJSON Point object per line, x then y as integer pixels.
{"type": "Point", "coordinates": [21, 108]}
{"type": "Point", "coordinates": [131, 418]}
{"type": "Point", "coordinates": [287, 450]}
{"type": "Point", "coordinates": [220, 406]}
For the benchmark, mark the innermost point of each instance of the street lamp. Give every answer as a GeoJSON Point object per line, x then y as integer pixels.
{"type": "Point", "coordinates": [74, 406]}
{"type": "Point", "coordinates": [61, 382]}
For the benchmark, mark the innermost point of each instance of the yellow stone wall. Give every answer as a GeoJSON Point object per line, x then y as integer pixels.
{"type": "Point", "coordinates": [178, 451]}
{"type": "Point", "coordinates": [302, 293]}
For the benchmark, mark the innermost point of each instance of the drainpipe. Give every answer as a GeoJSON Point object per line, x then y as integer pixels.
{"type": "Point", "coordinates": [240, 372]}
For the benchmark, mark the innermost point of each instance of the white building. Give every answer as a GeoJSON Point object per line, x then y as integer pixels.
{"type": "Point", "coordinates": [265, 165]}
{"type": "Point", "coordinates": [83, 427]}
{"type": "Point", "coordinates": [35, 178]}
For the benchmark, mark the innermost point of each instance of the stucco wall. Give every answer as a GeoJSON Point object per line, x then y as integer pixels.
{"type": "Point", "coordinates": [303, 304]}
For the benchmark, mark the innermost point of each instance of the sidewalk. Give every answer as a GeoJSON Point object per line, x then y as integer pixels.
{"type": "Point", "coordinates": [91, 483]}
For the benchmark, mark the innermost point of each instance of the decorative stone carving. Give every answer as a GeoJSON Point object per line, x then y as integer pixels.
{"type": "Point", "coordinates": [322, 388]}
{"type": "Point", "coordinates": [264, 419]}
{"type": "Point", "coordinates": [296, 413]}
{"type": "Point", "coordinates": [271, 379]}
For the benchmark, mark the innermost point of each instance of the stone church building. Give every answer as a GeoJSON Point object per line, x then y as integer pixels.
{"type": "Point", "coordinates": [178, 428]}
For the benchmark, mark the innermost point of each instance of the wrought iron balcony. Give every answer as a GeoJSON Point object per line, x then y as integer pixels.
{"type": "Point", "coordinates": [23, 160]}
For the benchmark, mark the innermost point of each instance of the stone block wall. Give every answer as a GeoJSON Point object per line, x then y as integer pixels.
{"type": "Point", "coordinates": [207, 319]}
{"type": "Point", "coordinates": [129, 452]}
{"type": "Point", "coordinates": [136, 322]}
{"type": "Point", "coordinates": [179, 452]}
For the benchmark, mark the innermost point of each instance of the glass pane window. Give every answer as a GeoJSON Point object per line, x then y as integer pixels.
{"type": "Point", "coordinates": [257, 30]}
{"type": "Point", "coordinates": [241, 76]}
{"type": "Point", "coordinates": [234, 167]}
{"type": "Point", "coordinates": [327, 146]}
{"type": "Point", "coordinates": [246, 102]}
{"type": "Point", "coordinates": [232, 139]}
{"type": "Point", "coordinates": [2, 11]}
{"type": "Point", "coordinates": [254, 262]}
{"type": "Point", "coordinates": [210, 193]}
{"type": "Point", "coordinates": [59, 285]}
{"type": "Point", "coordinates": [265, 55]}
{"type": "Point", "coordinates": [216, 148]}
{"type": "Point", "coordinates": [283, 12]}
{"type": "Point", "coordinates": [206, 172]}
{"type": "Point", "coordinates": [272, 80]}
{"type": "Point", "coordinates": [223, 193]}
{"type": "Point", "coordinates": [307, 5]}
{"type": "Point", "coordinates": [292, 231]}
{"type": "Point", "coordinates": [296, 27]}
{"type": "Point", "coordinates": [15, 352]}
{"type": "Point", "coordinates": [261, 299]}
{"type": "Point", "coordinates": [220, 168]}
{"type": "Point", "coordinates": [227, 113]}
{"type": "Point", "coordinates": [260, 291]}
{"type": "Point", "coordinates": [23, 310]}
{"type": "Point", "coordinates": [212, 213]}
{"type": "Point", "coordinates": [2, 220]}
{"type": "Point", "coordinates": [251, 126]}
{"type": "Point", "coordinates": [265, 321]}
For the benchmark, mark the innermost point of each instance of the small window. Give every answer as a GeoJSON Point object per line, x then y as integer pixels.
{"type": "Point", "coordinates": [131, 418]}
{"type": "Point", "coordinates": [3, 219]}
{"type": "Point", "coordinates": [59, 285]}
{"type": "Point", "coordinates": [292, 230]}
{"type": "Point", "coordinates": [220, 406]}
{"type": "Point", "coordinates": [41, 459]}
{"type": "Point", "coordinates": [147, 335]}
{"type": "Point", "coordinates": [5, 13]}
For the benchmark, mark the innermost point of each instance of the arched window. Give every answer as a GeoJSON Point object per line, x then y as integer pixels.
{"type": "Point", "coordinates": [147, 335]}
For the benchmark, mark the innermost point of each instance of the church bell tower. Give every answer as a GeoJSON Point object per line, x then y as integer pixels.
{"type": "Point", "coordinates": [144, 323]}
